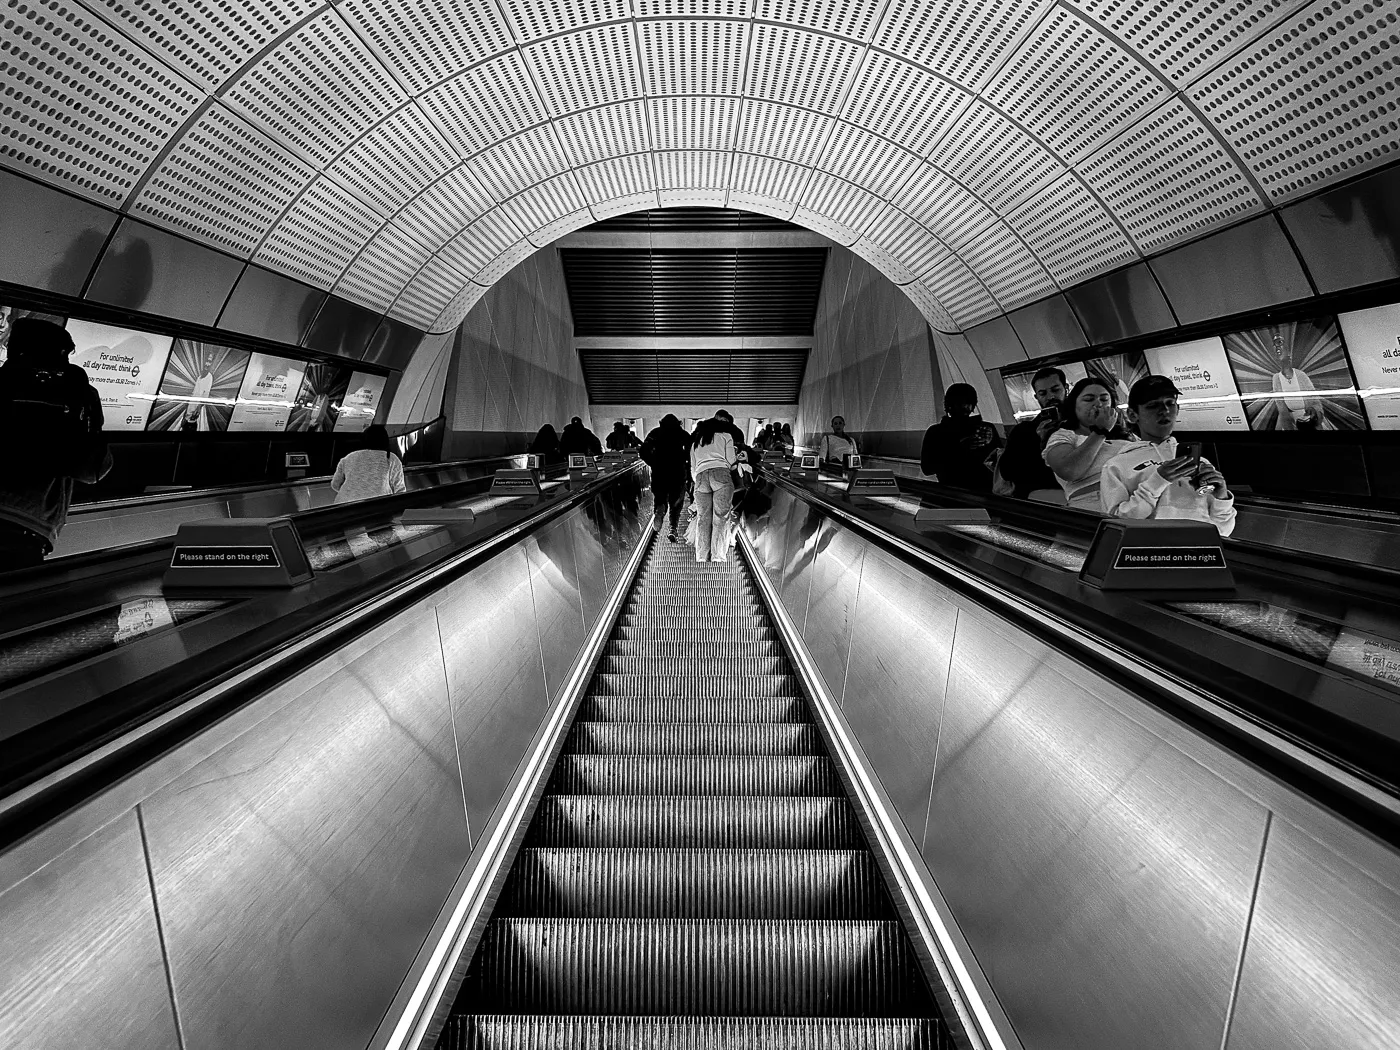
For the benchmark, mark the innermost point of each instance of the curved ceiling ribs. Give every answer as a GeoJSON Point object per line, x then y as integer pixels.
{"type": "Point", "coordinates": [981, 153]}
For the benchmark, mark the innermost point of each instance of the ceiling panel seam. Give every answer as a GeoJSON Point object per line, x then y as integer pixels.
{"type": "Point", "coordinates": [743, 80]}
{"type": "Point", "coordinates": [647, 116]}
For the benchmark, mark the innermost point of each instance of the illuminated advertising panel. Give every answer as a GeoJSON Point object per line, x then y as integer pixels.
{"type": "Point", "coordinates": [1373, 343]}
{"type": "Point", "coordinates": [125, 368]}
{"type": "Point", "coordinates": [1022, 396]}
{"type": "Point", "coordinates": [361, 402]}
{"type": "Point", "coordinates": [1201, 372]}
{"type": "Point", "coordinates": [266, 396]}
{"type": "Point", "coordinates": [1120, 372]}
{"type": "Point", "coordinates": [319, 401]}
{"type": "Point", "coordinates": [200, 387]}
{"type": "Point", "coordinates": [1294, 376]}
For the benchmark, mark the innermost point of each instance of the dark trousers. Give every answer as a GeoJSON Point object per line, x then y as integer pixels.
{"type": "Point", "coordinates": [667, 492]}
{"type": "Point", "coordinates": [20, 548]}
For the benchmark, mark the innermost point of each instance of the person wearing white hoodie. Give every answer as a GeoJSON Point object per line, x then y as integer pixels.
{"type": "Point", "coordinates": [1147, 479]}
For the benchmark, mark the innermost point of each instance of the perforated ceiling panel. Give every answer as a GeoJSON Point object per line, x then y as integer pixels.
{"type": "Point", "coordinates": [980, 152]}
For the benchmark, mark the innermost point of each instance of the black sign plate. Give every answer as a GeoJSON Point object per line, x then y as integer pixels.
{"type": "Point", "coordinates": [1170, 558]}
{"type": "Point", "coordinates": [225, 558]}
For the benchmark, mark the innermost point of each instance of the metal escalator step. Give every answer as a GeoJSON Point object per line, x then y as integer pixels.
{"type": "Point", "coordinates": [686, 592]}
{"type": "Point", "coordinates": [735, 664]}
{"type": "Point", "coordinates": [714, 775]}
{"type": "Point", "coordinates": [562, 1032]}
{"type": "Point", "coordinates": [693, 710]}
{"type": "Point", "coordinates": [694, 685]}
{"type": "Point", "coordinates": [755, 967]}
{"type": "Point", "coordinates": [692, 621]}
{"type": "Point", "coordinates": [659, 821]}
{"type": "Point", "coordinates": [720, 636]}
{"type": "Point", "coordinates": [693, 649]}
{"type": "Point", "coordinates": [694, 884]}
{"type": "Point", "coordinates": [693, 738]}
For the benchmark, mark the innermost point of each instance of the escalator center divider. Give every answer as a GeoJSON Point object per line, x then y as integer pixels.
{"type": "Point", "coordinates": [694, 876]}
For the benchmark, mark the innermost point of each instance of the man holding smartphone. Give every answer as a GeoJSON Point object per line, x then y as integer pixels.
{"type": "Point", "coordinates": [1150, 479]}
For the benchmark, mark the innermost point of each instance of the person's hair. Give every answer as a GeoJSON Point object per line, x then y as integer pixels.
{"type": "Point", "coordinates": [577, 420]}
{"type": "Point", "coordinates": [38, 342]}
{"type": "Point", "coordinates": [960, 393]}
{"type": "Point", "coordinates": [377, 438]}
{"type": "Point", "coordinates": [724, 415]}
{"type": "Point", "coordinates": [1069, 416]}
{"type": "Point", "coordinates": [838, 416]}
{"type": "Point", "coordinates": [1149, 388]}
{"type": "Point", "coordinates": [705, 431]}
{"type": "Point", "coordinates": [670, 419]}
{"type": "Point", "coordinates": [1046, 373]}
{"type": "Point", "coordinates": [787, 428]}
{"type": "Point", "coordinates": [546, 435]}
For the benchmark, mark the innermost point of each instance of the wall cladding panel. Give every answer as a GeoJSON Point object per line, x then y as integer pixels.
{"type": "Point", "coordinates": [148, 269]}
{"type": "Point", "coordinates": [62, 235]}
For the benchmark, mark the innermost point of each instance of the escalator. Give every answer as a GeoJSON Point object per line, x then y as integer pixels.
{"type": "Point", "coordinates": [694, 875]}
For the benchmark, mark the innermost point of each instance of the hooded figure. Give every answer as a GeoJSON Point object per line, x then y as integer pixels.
{"type": "Point", "coordinates": [667, 451]}
{"type": "Point", "coordinates": [578, 439]}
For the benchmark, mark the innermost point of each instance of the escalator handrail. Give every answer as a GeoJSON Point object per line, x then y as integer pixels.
{"type": "Point", "coordinates": [1353, 788]}
{"type": "Point", "coordinates": [180, 717]}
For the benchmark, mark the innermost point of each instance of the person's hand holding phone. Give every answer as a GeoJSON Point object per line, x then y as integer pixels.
{"type": "Point", "coordinates": [1212, 481]}
{"type": "Point", "coordinates": [1179, 467]}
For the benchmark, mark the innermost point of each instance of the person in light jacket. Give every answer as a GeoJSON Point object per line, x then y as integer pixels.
{"type": "Point", "coordinates": [1090, 434]}
{"type": "Point", "coordinates": [1147, 479]}
{"type": "Point", "coordinates": [712, 457]}
{"type": "Point", "coordinates": [368, 472]}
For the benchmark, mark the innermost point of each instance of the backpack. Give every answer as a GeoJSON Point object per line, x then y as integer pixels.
{"type": "Point", "coordinates": [44, 412]}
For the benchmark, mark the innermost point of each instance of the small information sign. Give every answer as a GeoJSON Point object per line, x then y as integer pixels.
{"type": "Point", "coordinates": [511, 482]}
{"type": "Point", "coordinates": [237, 552]}
{"type": "Point", "coordinates": [1170, 555]}
{"type": "Point", "coordinates": [872, 483]}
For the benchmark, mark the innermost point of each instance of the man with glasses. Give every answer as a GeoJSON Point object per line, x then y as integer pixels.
{"type": "Point", "coordinates": [1148, 479]}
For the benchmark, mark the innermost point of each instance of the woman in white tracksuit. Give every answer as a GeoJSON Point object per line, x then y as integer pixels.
{"type": "Point", "coordinates": [712, 457]}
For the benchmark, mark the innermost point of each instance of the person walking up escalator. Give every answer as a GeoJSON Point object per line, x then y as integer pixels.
{"type": "Point", "coordinates": [712, 457]}
{"type": "Point", "coordinates": [667, 452]}
{"type": "Point", "coordinates": [577, 439]}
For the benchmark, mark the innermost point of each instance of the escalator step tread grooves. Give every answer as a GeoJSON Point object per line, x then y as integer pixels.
{"type": "Point", "coordinates": [694, 877]}
{"type": "Point", "coordinates": [515, 1032]}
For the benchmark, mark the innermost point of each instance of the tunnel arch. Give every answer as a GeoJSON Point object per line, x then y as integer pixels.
{"type": "Point", "coordinates": [980, 155]}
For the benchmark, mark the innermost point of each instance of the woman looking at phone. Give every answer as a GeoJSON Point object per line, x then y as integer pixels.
{"type": "Point", "coordinates": [1091, 433]}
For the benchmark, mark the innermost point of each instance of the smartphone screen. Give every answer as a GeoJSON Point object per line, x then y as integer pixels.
{"type": "Point", "coordinates": [1194, 451]}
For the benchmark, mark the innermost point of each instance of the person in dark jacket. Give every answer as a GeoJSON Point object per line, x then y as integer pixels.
{"type": "Point", "coordinates": [622, 438]}
{"type": "Point", "coordinates": [957, 447]}
{"type": "Point", "coordinates": [546, 444]}
{"type": "Point", "coordinates": [34, 502]}
{"type": "Point", "coordinates": [785, 439]}
{"type": "Point", "coordinates": [577, 439]}
{"type": "Point", "coordinates": [667, 451]}
{"type": "Point", "coordinates": [1022, 463]}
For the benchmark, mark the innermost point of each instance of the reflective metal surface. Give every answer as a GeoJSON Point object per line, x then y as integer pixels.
{"type": "Point", "coordinates": [80, 959]}
{"type": "Point", "coordinates": [895, 679]}
{"type": "Point", "coordinates": [147, 269]}
{"type": "Point", "coordinates": [996, 343]}
{"type": "Point", "coordinates": [835, 583]}
{"type": "Point", "coordinates": [588, 561]}
{"type": "Point", "coordinates": [1350, 236]}
{"type": "Point", "coordinates": [803, 535]}
{"type": "Point", "coordinates": [1243, 268]}
{"type": "Point", "coordinates": [1049, 325]}
{"type": "Point", "coordinates": [555, 590]}
{"type": "Point", "coordinates": [61, 236]}
{"type": "Point", "coordinates": [341, 328]}
{"type": "Point", "coordinates": [1124, 303]}
{"type": "Point", "coordinates": [392, 344]}
{"type": "Point", "coordinates": [301, 863]}
{"type": "Point", "coordinates": [271, 306]}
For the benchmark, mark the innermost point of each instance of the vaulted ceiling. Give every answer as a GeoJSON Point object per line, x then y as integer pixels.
{"type": "Point", "coordinates": [981, 153]}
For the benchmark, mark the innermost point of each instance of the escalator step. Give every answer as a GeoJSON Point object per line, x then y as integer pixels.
{"type": "Point", "coordinates": [709, 710]}
{"type": "Point", "coordinates": [694, 685]}
{"type": "Point", "coordinates": [692, 666]}
{"type": "Point", "coordinates": [690, 622]}
{"type": "Point", "coordinates": [689, 821]}
{"type": "Point", "coordinates": [516, 1032]}
{"type": "Point", "coordinates": [697, 648]}
{"type": "Point", "coordinates": [755, 967]}
{"type": "Point", "coordinates": [695, 738]}
{"type": "Point", "coordinates": [703, 635]}
{"type": "Point", "coordinates": [717, 775]}
{"type": "Point", "coordinates": [694, 884]}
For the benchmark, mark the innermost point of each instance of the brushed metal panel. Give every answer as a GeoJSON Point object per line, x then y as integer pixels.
{"type": "Point", "coordinates": [835, 583]}
{"type": "Point", "coordinates": [392, 344]}
{"type": "Point", "coordinates": [1121, 304]}
{"type": "Point", "coordinates": [995, 342]}
{"type": "Point", "coordinates": [901, 646]}
{"type": "Point", "coordinates": [299, 867]}
{"type": "Point", "coordinates": [1322, 968]}
{"type": "Point", "coordinates": [588, 561]}
{"type": "Point", "coordinates": [803, 535]}
{"type": "Point", "coordinates": [271, 306]}
{"type": "Point", "coordinates": [1247, 267]}
{"type": "Point", "coordinates": [1048, 327]}
{"type": "Point", "coordinates": [145, 268]}
{"type": "Point", "coordinates": [495, 676]}
{"type": "Point", "coordinates": [80, 961]}
{"type": "Point", "coordinates": [558, 609]}
{"type": "Point", "coordinates": [61, 235]}
{"type": "Point", "coordinates": [1102, 877]}
{"type": "Point", "coordinates": [341, 327]}
{"type": "Point", "coordinates": [769, 531]}
{"type": "Point", "coordinates": [1350, 236]}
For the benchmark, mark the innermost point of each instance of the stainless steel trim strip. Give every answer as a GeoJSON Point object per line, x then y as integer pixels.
{"type": "Point", "coordinates": [409, 1021]}
{"type": "Point", "coordinates": [982, 1018]}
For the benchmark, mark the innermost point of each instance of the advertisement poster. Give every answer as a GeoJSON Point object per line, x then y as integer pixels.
{"type": "Point", "coordinates": [124, 366]}
{"type": "Point", "coordinates": [1120, 372]}
{"type": "Point", "coordinates": [1294, 376]}
{"type": "Point", "coordinates": [265, 398]}
{"type": "Point", "coordinates": [360, 404]}
{"type": "Point", "coordinates": [9, 315]}
{"type": "Point", "coordinates": [1373, 341]}
{"type": "Point", "coordinates": [1019, 389]}
{"type": "Point", "coordinates": [200, 387]}
{"type": "Point", "coordinates": [318, 403]}
{"type": "Point", "coordinates": [1209, 400]}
